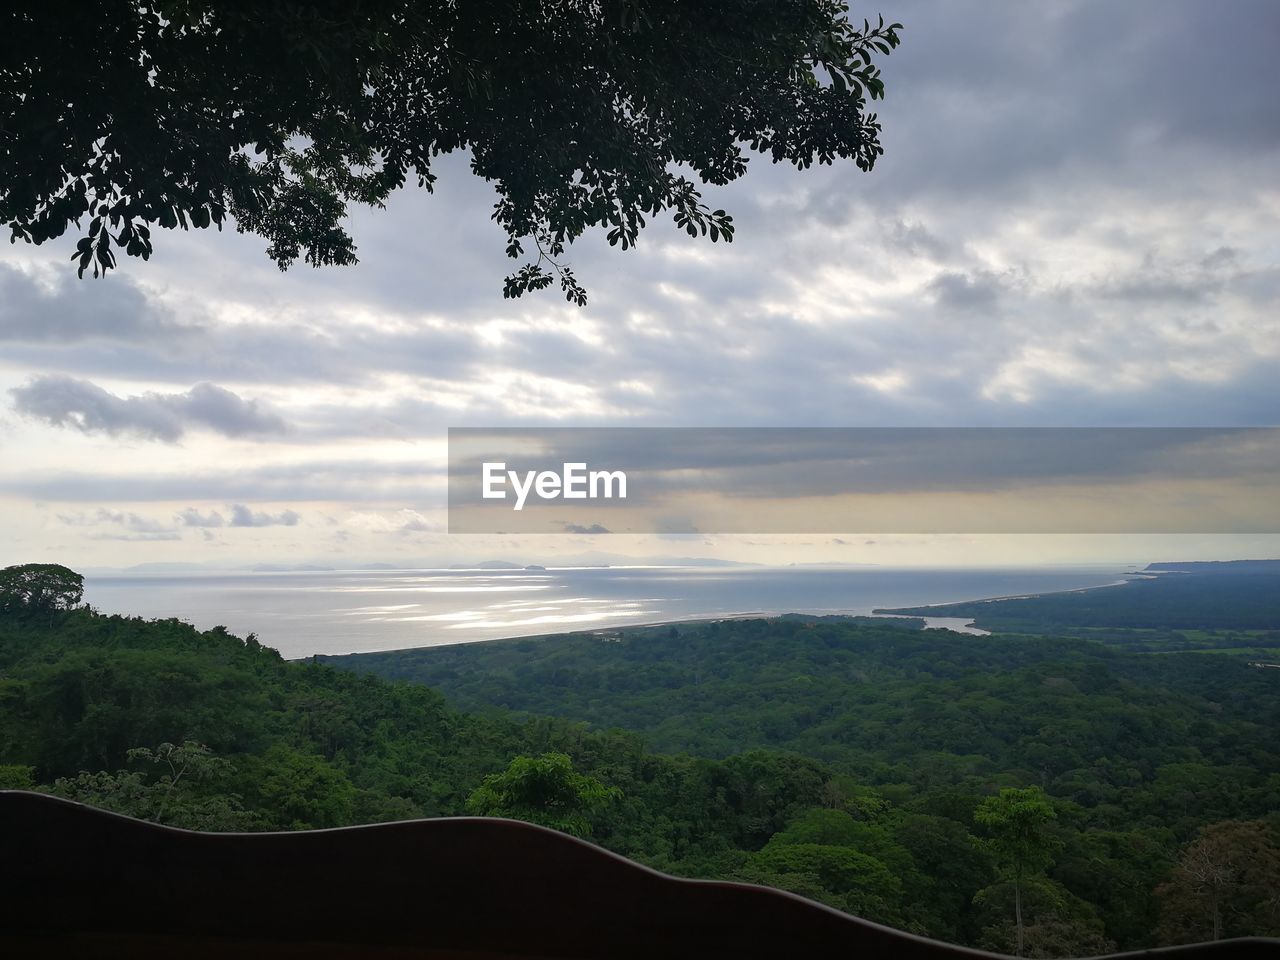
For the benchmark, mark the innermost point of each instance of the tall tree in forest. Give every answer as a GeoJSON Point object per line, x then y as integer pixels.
{"type": "Point", "coordinates": [1017, 821]}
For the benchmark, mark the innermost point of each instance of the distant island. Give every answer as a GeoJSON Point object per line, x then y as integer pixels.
{"type": "Point", "coordinates": [290, 568]}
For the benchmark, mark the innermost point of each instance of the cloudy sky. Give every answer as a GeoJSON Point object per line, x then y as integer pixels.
{"type": "Point", "coordinates": [1076, 223]}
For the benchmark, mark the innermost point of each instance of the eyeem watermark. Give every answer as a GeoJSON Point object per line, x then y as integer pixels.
{"type": "Point", "coordinates": [831, 480]}
{"type": "Point", "coordinates": [573, 482]}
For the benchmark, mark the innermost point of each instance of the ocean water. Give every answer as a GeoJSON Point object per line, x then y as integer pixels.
{"type": "Point", "coordinates": [353, 611]}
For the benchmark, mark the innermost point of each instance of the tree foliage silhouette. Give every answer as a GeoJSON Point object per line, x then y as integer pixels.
{"type": "Point", "coordinates": [276, 116]}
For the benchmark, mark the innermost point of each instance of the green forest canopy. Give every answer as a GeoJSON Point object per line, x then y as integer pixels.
{"type": "Point", "coordinates": [1218, 596]}
{"type": "Point", "coordinates": [277, 115]}
{"type": "Point", "coordinates": [853, 770]}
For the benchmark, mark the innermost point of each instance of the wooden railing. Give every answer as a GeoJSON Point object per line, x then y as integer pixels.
{"type": "Point", "coordinates": [79, 882]}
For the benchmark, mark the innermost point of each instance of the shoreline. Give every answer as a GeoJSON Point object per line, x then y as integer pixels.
{"type": "Point", "coordinates": [971, 630]}
{"type": "Point", "coordinates": [893, 611]}
{"type": "Point", "coordinates": [297, 635]}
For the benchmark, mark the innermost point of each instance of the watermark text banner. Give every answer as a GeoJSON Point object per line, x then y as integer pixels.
{"type": "Point", "coordinates": [642, 480]}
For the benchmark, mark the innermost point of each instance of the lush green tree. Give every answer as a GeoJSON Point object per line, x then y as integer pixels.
{"type": "Point", "coordinates": [1017, 821]}
{"type": "Point", "coordinates": [842, 877]}
{"type": "Point", "coordinates": [87, 707]}
{"type": "Point", "coordinates": [847, 859]}
{"type": "Point", "coordinates": [276, 115]}
{"type": "Point", "coordinates": [829, 827]}
{"type": "Point", "coordinates": [765, 789]}
{"type": "Point", "coordinates": [840, 829]}
{"type": "Point", "coordinates": [545, 790]}
{"type": "Point", "coordinates": [39, 588]}
{"type": "Point", "coordinates": [953, 865]}
{"type": "Point", "coordinates": [16, 776]}
{"type": "Point", "coordinates": [1117, 872]}
{"type": "Point", "coordinates": [182, 785]}
{"type": "Point", "coordinates": [301, 789]}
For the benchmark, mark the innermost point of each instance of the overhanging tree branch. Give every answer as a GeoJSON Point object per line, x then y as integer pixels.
{"type": "Point", "coordinates": [276, 116]}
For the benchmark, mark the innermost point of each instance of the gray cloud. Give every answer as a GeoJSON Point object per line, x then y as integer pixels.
{"type": "Point", "coordinates": [594, 528]}
{"type": "Point", "coordinates": [915, 239]}
{"type": "Point", "coordinates": [65, 401]}
{"type": "Point", "coordinates": [191, 517]}
{"type": "Point", "coordinates": [242, 516]}
{"type": "Point", "coordinates": [127, 526]}
{"type": "Point", "coordinates": [1052, 94]}
{"type": "Point", "coordinates": [221, 410]}
{"type": "Point", "coordinates": [965, 291]}
{"type": "Point", "coordinates": [60, 313]}
{"type": "Point", "coordinates": [1187, 281]}
{"type": "Point", "coordinates": [133, 522]}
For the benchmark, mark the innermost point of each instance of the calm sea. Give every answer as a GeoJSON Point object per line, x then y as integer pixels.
{"type": "Point", "coordinates": [351, 611]}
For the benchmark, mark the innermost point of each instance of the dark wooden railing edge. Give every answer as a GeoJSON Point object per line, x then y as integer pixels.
{"type": "Point", "coordinates": [458, 886]}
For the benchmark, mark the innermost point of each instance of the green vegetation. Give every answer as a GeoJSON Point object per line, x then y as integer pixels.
{"type": "Point", "coordinates": [1111, 730]}
{"type": "Point", "coordinates": [543, 790]}
{"type": "Point", "coordinates": [39, 588]}
{"type": "Point", "coordinates": [1057, 796]}
{"type": "Point", "coordinates": [1018, 821]}
{"type": "Point", "coordinates": [1224, 600]}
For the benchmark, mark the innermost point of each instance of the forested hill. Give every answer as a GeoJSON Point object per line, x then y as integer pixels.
{"type": "Point", "coordinates": [1138, 746]}
{"type": "Point", "coordinates": [1093, 724]}
{"type": "Point", "coordinates": [926, 754]}
{"type": "Point", "coordinates": [1231, 596]}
